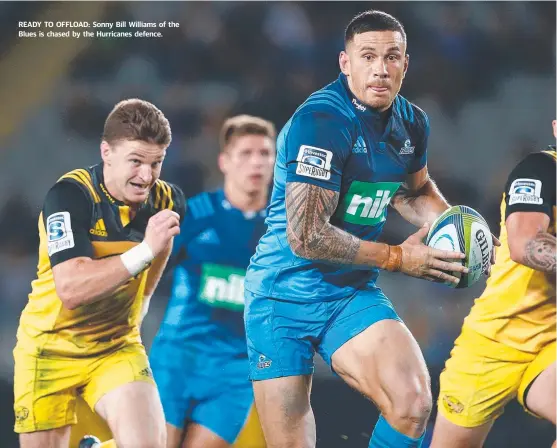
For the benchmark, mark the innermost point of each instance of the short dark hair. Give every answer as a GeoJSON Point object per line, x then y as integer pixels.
{"type": "Point", "coordinates": [372, 20]}
{"type": "Point", "coordinates": [241, 125]}
{"type": "Point", "coordinates": [136, 119]}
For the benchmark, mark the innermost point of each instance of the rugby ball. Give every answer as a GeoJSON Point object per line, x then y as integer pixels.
{"type": "Point", "coordinates": [463, 229]}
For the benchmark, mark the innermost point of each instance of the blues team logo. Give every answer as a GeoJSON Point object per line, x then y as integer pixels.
{"type": "Point", "coordinates": [264, 363]}
{"type": "Point", "coordinates": [526, 191]}
{"type": "Point", "coordinates": [314, 162]}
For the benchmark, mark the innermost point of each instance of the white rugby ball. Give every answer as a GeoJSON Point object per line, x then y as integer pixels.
{"type": "Point", "coordinates": [463, 229]}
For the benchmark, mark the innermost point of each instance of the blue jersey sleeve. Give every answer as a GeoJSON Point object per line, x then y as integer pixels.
{"type": "Point", "coordinates": [420, 153]}
{"type": "Point", "coordinates": [317, 146]}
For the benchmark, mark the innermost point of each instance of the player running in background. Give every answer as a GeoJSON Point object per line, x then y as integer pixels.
{"type": "Point", "coordinates": [351, 149]}
{"type": "Point", "coordinates": [105, 236]}
{"type": "Point", "coordinates": [507, 345]}
{"type": "Point", "coordinates": [199, 355]}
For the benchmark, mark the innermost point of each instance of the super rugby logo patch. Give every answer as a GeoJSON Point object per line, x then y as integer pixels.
{"type": "Point", "coordinates": [314, 162]}
{"type": "Point", "coordinates": [526, 191]}
{"type": "Point", "coordinates": [59, 232]}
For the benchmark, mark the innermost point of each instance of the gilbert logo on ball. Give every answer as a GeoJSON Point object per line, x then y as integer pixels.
{"type": "Point", "coordinates": [463, 229]}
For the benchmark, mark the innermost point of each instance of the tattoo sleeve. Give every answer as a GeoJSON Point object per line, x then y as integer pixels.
{"type": "Point", "coordinates": [310, 234]}
{"type": "Point", "coordinates": [539, 253]}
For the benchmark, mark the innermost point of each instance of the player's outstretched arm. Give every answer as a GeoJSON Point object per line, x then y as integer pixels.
{"type": "Point", "coordinates": [83, 280]}
{"type": "Point", "coordinates": [311, 235]}
{"type": "Point", "coordinates": [419, 200]}
{"type": "Point", "coordinates": [529, 242]}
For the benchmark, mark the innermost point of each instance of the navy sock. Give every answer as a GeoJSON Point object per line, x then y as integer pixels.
{"type": "Point", "coordinates": [385, 436]}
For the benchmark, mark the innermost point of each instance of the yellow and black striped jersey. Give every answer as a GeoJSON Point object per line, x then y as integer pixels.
{"type": "Point", "coordinates": [518, 307]}
{"type": "Point", "coordinates": [80, 218]}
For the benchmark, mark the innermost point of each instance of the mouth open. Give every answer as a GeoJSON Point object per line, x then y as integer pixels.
{"type": "Point", "coordinates": [139, 188]}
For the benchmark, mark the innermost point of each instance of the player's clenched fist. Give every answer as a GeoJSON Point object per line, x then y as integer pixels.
{"type": "Point", "coordinates": [161, 228]}
{"type": "Point", "coordinates": [419, 260]}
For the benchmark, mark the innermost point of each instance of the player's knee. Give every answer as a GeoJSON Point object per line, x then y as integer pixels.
{"type": "Point", "coordinates": [413, 406]}
{"type": "Point", "coordinates": [137, 439]}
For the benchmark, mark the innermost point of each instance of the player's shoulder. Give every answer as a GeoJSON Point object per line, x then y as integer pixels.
{"type": "Point", "coordinates": [204, 205]}
{"type": "Point", "coordinates": [538, 160]}
{"type": "Point", "coordinates": [77, 180]}
{"type": "Point", "coordinates": [410, 113]}
{"type": "Point", "coordinates": [166, 195]}
{"type": "Point", "coordinates": [328, 103]}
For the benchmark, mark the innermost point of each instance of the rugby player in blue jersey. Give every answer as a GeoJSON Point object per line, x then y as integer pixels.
{"type": "Point", "coordinates": [199, 356]}
{"type": "Point", "coordinates": [350, 150]}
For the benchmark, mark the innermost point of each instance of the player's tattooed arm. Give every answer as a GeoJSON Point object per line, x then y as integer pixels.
{"type": "Point", "coordinates": [530, 243]}
{"type": "Point", "coordinates": [310, 234]}
{"type": "Point", "coordinates": [539, 253]}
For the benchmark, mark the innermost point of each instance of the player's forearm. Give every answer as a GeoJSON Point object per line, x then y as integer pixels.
{"type": "Point", "coordinates": [82, 281]}
{"type": "Point", "coordinates": [311, 235]}
{"type": "Point", "coordinates": [156, 270]}
{"type": "Point", "coordinates": [539, 253]}
{"type": "Point", "coordinates": [420, 206]}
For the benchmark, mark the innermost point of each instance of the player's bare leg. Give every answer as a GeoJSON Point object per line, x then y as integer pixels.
{"type": "Point", "coordinates": [174, 436]}
{"type": "Point", "coordinates": [541, 396]}
{"type": "Point", "coordinates": [53, 438]}
{"type": "Point", "coordinates": [285, 412]}
{"type": "Point", "coordinates": [446, 433]}
{"type": "Point", "coordinates": [198, 436]}
{"type": "Point", "coordinates": [384, 362]}
{"type": "Point", "coordinates": [135, 416]}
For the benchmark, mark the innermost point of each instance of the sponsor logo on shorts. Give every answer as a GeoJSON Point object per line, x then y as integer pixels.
{"type": "Point", "coordinates": [146, 372]}
{"type": "Point", "coordinates": [21, 413]}
{"type": "Point", "coordinates": [59, 232]}
{"type": "Point", "coordinates": [452, 405]}
{"type": "Point", "coordinates": [314, 162]}
{"type": "Point", "coordinates": [222, 286]}
{"type": "Point", "coordinates": [264, 363]}
{"type": "Point", "coordinates": [100, 229]}
{"type": "Point", "coordinates": [526, 191]}
{"type": "Point", "coordinates": [365, 203]}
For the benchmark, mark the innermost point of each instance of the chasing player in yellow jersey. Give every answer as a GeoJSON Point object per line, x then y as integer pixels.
{"type": "Point", "coordinates": [105, 236]}
{"type": "Point", "coordinates": [507, 345]}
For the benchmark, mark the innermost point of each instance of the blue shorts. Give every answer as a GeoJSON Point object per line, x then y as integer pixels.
{"type": "Point", "coordinates": [206, 396]}
{"type": "Point", "coordinates": [282, 336]}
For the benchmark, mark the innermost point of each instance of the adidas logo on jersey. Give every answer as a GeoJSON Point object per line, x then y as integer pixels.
{"type": "Point", "coordinates": [100, 229]}
{"type": "Point", "coordinates": [360, 146]}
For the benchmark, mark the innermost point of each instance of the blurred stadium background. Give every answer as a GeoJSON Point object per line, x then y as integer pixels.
{"type": "Point", "coordinates": [483, 71]}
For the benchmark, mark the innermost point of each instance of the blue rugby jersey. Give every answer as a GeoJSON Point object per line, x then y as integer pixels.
{"type": "Point", "coordinates": [204, 315]}
{"type": "Point", "coordinates": [337, 143]}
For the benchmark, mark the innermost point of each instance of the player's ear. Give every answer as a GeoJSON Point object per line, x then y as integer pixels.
{"type": "Point", "coordinates": [106, 152]}
{"type": "Point", "coordinates": [344, 62]}
{"type": "Point", "coordinates": [554, 124]}
{"type": "Point", "coordinates": [223, 162]}
{"type": "Point", "coordinates": [406, 62]}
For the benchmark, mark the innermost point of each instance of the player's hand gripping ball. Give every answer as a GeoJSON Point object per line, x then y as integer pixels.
{"type": "Point", "coordinates": [463, 229]}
